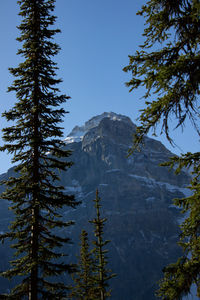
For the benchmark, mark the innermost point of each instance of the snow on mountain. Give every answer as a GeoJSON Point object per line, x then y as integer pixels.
{"type": "Point", "coordinates": [76, 135]}
{"type": "Point", "coordinates": [136, 198]}
{"type": "Point", "coordinates": [150, 182]}
{"type": "Point", "coordinates": [78, 132]}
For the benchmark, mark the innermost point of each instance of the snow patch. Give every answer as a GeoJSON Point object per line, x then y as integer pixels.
{"type": "Point", "coordinates": [150, 182]}
{"type": "Point", "coordinates": [113, 170]}
{"type": "Point", "coordinates": [73, 139]}
{"type": "Point", "coordinates": [92, 192]}
{"type": "Point", "coordinates": [75, 136]}
{"type": "Point", "coordinates": [150, 199]}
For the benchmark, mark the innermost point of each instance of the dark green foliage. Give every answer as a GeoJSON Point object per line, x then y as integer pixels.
{"type": "Point", "coordinates": [36, 195]}
{"type": "Point", "coordinates": [103, 275]}
{"type": "Point", "coordinates": [186, 271]}
{"type": "Point", "coordinates": [84, 278]}
{"type": "Point", "coordinates": [171, 72]}
{"type": "Point", "coordinates": [91, 280]}
{"type": "Point", "coordinates": [168, 66]}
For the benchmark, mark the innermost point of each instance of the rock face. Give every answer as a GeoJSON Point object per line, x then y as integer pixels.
{"type": "Point", "coordinates": [136, 197]}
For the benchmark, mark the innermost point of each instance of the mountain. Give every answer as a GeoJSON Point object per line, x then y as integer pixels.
{"type": "Point", "coordinates": [136, 197]}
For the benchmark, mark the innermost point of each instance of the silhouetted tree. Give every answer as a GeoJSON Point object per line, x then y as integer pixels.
{"type": "Point", "coordinates": [35, 140]}
{"type": "Point", "coordinates": [103, 274]}
{"type": "Point", "coordinates": [84, 278]}
{"type": "Point", "coordinates": [168, 66]}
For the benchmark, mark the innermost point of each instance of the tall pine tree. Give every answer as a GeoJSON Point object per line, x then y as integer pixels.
{"type": "Point", "coordinates": [168, 66]}
{"type": "Point", "coordinates": [35, 193]}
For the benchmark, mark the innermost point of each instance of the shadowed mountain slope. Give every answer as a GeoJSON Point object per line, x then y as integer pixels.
{"type": "Point", "coordinates": [137, 200]}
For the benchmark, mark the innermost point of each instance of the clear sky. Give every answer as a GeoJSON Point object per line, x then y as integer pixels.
{"type": "Point", "coordinates": [96, 39]}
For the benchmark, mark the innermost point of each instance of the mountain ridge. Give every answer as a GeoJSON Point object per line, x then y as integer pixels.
{"type": "Point", "coordinates": [78, 132]}
{"type": "Point", "coordinates": [136, 198]}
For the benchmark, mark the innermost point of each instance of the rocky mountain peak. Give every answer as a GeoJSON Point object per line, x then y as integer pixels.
{"type": "Point", "coordinates": [78, 132]}
{"type": "Point", "coordinates": [136, 197]}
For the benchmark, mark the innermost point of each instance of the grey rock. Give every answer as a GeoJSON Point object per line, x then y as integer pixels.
{"type": "Point", "coordinates": [136, 197]}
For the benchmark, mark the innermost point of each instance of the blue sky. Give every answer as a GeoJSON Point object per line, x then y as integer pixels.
{"type": "Point", "coordinates": [96, 39]}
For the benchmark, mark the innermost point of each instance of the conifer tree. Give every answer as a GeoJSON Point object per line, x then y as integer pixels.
{"type": "Point", "coordinates": [185, 273]}
{"type": "Point", "coordinates": [84, 278]}
{"type": "Point", "coordinates": [35, 193]}
{"type": "Point", "coordinates": [168, 66]}
{"type": "Point", "coordinates": [103, 274]}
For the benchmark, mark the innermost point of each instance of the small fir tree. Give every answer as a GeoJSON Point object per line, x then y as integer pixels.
{"type": "Point", "coordinates": [35, 193]}
{"type": "Point", "coordinates": [84, 279]}
{"type": "Point", "coordinates": [103, 274]}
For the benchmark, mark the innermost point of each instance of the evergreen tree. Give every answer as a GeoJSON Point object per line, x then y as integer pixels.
{"type": "Point", "coordinates": [36, 194]}
{"type": "Point", "coordinates": [168, 66]}
{"type": "Point", "coordinates": [181, 275]}
{"type": "Point", "coordinates": [84, 278]}
{"type": "Point", "coordinates": [102, 273]}
{"type": "Point", "coordinates": [171, 72]}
